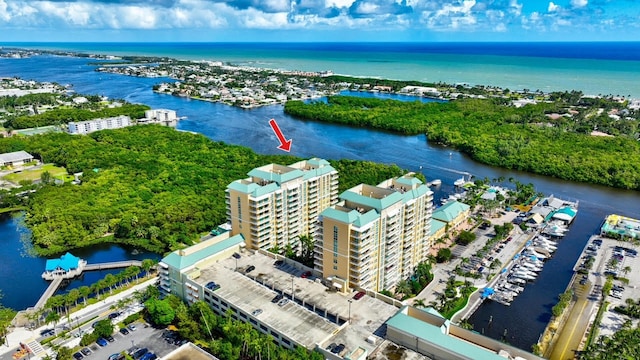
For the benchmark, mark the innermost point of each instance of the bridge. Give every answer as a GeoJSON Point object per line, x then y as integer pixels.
{"type": "Point", "coordinates": [112, 265]}
{"type": "Point", "coordinates": [53, 287]}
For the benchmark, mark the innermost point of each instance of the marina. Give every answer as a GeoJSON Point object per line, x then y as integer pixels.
{"type": "Point", "coordinates": [529, 261]}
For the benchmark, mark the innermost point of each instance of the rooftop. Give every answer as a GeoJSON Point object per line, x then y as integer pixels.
{"type": "Point", "coordinates": [449, 211]}
{"type": "Point", "coordinates": [189, 351]}
{"type": "Point", "coordinates": [182, 259]}
{"type": "Point", "coordinates": [66, 262]}
{"type": "Point", "coordinates": [15, 156]}
{"type": "Point", "coordinates": [297, 319]}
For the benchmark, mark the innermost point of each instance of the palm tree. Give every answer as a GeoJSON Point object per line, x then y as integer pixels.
{"type": "Point", "coordinates": [52, 318]}
{"type": "Point", "coordinates": [403, 288]}
{"type": "Point", "coordinates": [85, 291]}
{"type": "Point", "coordinates": [419, 303]}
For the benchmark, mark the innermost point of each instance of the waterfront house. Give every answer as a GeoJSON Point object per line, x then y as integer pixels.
{"type": "Point", "coordinates": [67, 266]}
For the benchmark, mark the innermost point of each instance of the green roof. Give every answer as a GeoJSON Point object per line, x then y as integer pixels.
{"type": "Point", "coordinates": [449, 211]}
{"type": "Point", "coordinates": [567, 210]}
{"type": "Point", "coordinates": [435, 335]}
{"type": "Point", "coordinates": [252, 188]}
{"type": "Point", "coordinates": [378, 204]}
{"type": "Point", "coordinates": [181, 262]}
{"type": "Point", "coordinates": [318, 162]}
{"type": "Point", "coordinates": [436, 225]}
{"type": "Point", "coordinates": [351, 217]}
{"type": "Point", "coordinates": [408, 181]}
{"type": "Point", "coordinates": [416, 193]}
{"type": "Point", "coordinates": [308, 174]}
{"type": "Point", "coordinates": [272, 176]}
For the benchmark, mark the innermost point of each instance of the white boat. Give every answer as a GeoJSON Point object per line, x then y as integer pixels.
{"type": "Point", "coordinates": [459, 182]}
{"type": "Point", "coordinates": [516, 280]}
{"type": "Point", "coordinates": [530, 266]}
{"type": "Point", "coordinates": [435, 182]}
{"type": "Point", "coordinates": [524, 274]}
{"type": "Point", "coordinates": [531, 252]}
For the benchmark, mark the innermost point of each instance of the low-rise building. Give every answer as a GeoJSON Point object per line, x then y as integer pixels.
{"type": "Point", "coordinates": [453, 213]}
{"type": "Point", "coordinates": [429, 333]}
{"type": "Point", "coordinates": [89, 126]}
{"type": "Point", "coordinates": [15, 158]}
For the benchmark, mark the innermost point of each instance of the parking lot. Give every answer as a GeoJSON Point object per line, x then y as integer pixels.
{"type": "Point", "coordinates": [143, 337]}
{"type": "Point", "coordinates": [616, 258]}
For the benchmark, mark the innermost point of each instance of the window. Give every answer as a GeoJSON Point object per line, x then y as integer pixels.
{"type": "Point", "coordinates": [239, 208]}
{"type": "Point", "coordinates": [335, 233]}
{"type": "Point", "coordinates": [335, 261]}
{"type": "Point", "coordinates": [335, 267]}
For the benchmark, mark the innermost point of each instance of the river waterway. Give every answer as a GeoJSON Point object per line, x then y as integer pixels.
{"type": "Point", "coordinates": [524, 320]}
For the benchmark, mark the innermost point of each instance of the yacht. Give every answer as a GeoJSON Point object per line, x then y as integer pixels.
{"type": "Point", "coordinates": [435, 182]}
{"type": "Point", "coordinates": [459, 182]}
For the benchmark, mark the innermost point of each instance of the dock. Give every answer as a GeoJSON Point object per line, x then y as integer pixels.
{"type": "Point", "coordinates": [73, 269]}
{"type": "Point", "coordinates": [112, 265]}
{"type": "Point", "coordinates": [48, 293]}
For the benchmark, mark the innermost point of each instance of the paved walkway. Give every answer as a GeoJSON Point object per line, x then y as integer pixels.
{"type": "Point", "coordinates": [22, 335]}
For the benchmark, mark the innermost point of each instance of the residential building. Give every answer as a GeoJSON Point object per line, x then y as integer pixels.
{"type": "Point", "coordinates": [277, 301]}
{"type": "Point", "coordinates": [376, 235]}
{"type": "Point", "coordinates": [159, 116]}
{"type": "Point", "coordinates": [180, 265]}
{"type": "Point", "coordinates": [429, 333]}
{"type": "Point", "coordinates": [15, 158]}
{"type": "Point", "coordinates": [452, 214]}
{"type": "Point", "coordinates": [89, 126]}
{"type": "Point", "coordinates": [276, 204]}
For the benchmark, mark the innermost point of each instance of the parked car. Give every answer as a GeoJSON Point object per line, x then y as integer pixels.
{"type": "Point", "coordinates": [359, 295]}
{"type": "Point", "coordinates": [102, 342]}
{"type": "Point", "coordinates": [277, 298]}
{"type": "Point", "coordinates": [149, 356]}
{"type": "Point", "coordinates": [278, 262]}
{"type": "Point", "coordinates": [77, 356]}
{"type": "Point", "coordinates": [47, 332]}
{"type": "Point", "coordinates": [131, 327]}
{"type": "Point", "coordinates": [139, 353]}
{"type": "Point", "coordinates": [283, 302]}
{"type": "Point", "coordinates": [256, 312]}
{"type": "Point", "coordinates": [114, 315]}
{"type": "Point", "coordinates": [116, 357]}
{"type": "Point", "coordinates": [338, 349]}
{"type": "Point", "coordinates": [211, 285]}
{"type": "Point", "coordinates": [236, 255]}
{"type": "Point", "coordinates": [124, 331]}
{"type": "Point", "coordinates": [332, 346]}
{"type": "Point", "coordinates": [250, 268]}
{"type": "Point", "coordinates": [85, 351]}
{"type": "Point", "coordinates": [306, 274]}
{"type": "Point", "coordinates": [110, 338]}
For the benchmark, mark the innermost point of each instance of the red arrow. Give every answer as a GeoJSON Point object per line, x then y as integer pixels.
{"type": "Point", "coordinates": [284, 143]}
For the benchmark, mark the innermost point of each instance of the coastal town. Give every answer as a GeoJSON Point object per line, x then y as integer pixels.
{"type": "Point", "coordinates": [378, 270]}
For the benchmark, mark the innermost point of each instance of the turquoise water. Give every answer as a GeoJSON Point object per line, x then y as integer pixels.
{"type": "Point", "coordinates": [594, 68]}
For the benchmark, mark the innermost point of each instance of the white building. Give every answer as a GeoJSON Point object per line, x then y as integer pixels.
{"type": "Point", "coordinates": [15, 158]}
{"type": "Point", "coordinates": [160, 116]}
{"type": "Point", "coordinates": [86, 127]}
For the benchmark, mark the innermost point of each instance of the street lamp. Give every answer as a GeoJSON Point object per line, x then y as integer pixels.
{"type": "Point", "coordinates": [350, 301]}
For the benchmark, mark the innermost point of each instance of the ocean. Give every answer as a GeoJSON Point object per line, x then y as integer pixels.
{"type": "Point", "coordinates": [591, 67]}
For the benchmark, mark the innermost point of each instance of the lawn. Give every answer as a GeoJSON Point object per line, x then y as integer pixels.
{"type": "Point", "coordinates": [34, 174]}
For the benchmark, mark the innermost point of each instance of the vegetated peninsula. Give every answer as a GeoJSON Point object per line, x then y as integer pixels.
{"type": "Point", "coordinates": [148, 186]}
{"type": "Point", "coordinates": [567, 136]}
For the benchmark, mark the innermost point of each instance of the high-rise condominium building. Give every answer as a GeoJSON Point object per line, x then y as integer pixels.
{"type": "Point", "coordinates": [276, 204]}
{"type": "Point", "coordinates": [376, 235]}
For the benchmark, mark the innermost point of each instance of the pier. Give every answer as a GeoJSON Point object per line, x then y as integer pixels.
{"type": "Point", "coordinates": [58, 275]}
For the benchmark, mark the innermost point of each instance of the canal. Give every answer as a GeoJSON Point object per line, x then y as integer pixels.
{"type": "Point", "coordinates": [523, 321]}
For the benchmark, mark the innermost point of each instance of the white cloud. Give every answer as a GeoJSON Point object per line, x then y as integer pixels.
{"type": "Point", "coordinates": [552, 7]}
{"type": "Point", "coordinates": [579, 3]}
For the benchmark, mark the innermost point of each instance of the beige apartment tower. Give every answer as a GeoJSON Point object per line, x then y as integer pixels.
{"type": "Point", "coordinates": [276, 204]}
{"type": "Point", "coordinates": [376, 235]}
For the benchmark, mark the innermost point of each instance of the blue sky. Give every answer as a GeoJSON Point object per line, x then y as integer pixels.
{"type": "Point", "coordinates": [319, 20]}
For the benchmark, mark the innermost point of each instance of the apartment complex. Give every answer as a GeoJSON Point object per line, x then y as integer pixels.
{"type": "Point", "coordinates": [89, 126]}
{"type": "Point", "coordinates": [376, 235]}
{"type": "Point", "coordinates": [276, 204]}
